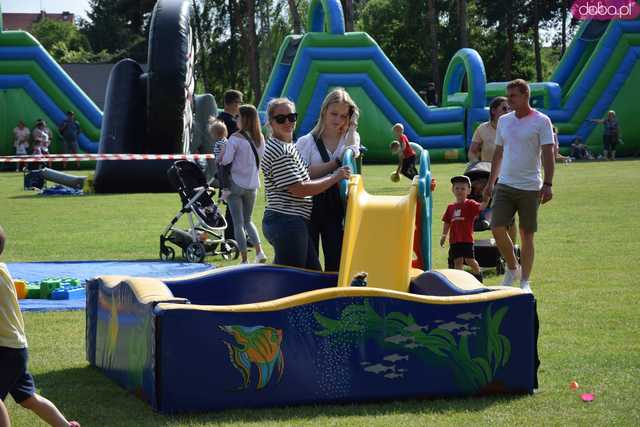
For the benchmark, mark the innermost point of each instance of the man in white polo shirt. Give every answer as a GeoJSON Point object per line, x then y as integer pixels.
{"type": "Point", "coordinates": [524, 144]}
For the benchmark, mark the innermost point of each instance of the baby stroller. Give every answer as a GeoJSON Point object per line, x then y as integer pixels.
{"type": "Point", "coordinates": [485, 250]}
{"type": "Point", "coordinates": [207, 225]}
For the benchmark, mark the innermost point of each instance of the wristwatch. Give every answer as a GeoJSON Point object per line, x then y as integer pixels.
{"type": "Point", "coordinates": [548, 184]}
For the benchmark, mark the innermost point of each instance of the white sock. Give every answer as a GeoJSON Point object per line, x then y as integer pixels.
{"type": "Point", "coordinates": [525, 285]}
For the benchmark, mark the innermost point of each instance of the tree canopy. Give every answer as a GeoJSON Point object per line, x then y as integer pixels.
{"type": "Point", "coordinates": [65, 43]}
{"type": "Point", "coordinates": [238, 39]}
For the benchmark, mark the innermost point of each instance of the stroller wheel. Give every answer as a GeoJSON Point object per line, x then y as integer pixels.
{"type": "Point", "coordinates": [195, 252]}
{"type": "Point", "coordinates": [229, 250]}
{"type": "Point", "coordinates": [167, 253]}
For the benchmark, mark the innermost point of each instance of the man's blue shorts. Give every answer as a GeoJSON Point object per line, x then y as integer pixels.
{"type": "Point", "coordinates": [14, 377]}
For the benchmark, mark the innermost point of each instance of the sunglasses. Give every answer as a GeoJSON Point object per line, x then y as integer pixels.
{"type": "Point", "coordinates": [505, 109]}
{"type": "Point", "coordinates": [281, 118]}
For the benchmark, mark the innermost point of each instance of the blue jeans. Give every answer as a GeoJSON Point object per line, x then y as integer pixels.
{"type": "Point", "coordinates": [290, 238]}
{"type": "Point", "coordinates": [241, 202]}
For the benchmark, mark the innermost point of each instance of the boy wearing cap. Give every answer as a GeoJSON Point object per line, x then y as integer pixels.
{"type": "Point", "coordinates": [458, 224]}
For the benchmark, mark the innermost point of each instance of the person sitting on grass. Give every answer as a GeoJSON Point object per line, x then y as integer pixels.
{"type": "Point", "coordinates": [406, 154]}
{"type": "Point", "coordinates": [15, 379]}
{"type": "Point", "coordinates": [579, 150]}
{"type": "Point", "coordinates": [458, 222]}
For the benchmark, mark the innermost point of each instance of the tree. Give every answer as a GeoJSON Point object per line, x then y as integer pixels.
{"type": "Point", "coordinates": [511, 18]}
{"type": "Point", "coordinates": [536, 38]}
{"type": "Point", "coordinates": [432, 17]}
{"type": "Point", "coordinates": [563, 18]}
{"type": "Point", "coordinates": [541, 13]}
{"type": "Point", "coordinates": [462, 23]}
{"type": "Point", "coordinates": [239, 39]}
{"type": "Point", "coordinates": [49, 32]}
{"type": "Point", "coordinates": [63, 55]}
{"type": "Point", "coordinates": [347, 8]}
{"type": "Point", "coordinates": [65, 43]}
{"type": "Point", "coordinates": [252, 49]}
{"type": "Point", "coordinates": [203, 26]}
{"type": "Point", "coordinates": [119, 27]}
{"type": "Point", "coordinates": [295, 16]}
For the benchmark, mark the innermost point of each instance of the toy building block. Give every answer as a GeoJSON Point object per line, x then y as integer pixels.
{"type": "Point", "coordinates": [47, 286]}
{"type": "Point", "coordinates": [33, 291]}
{"type": "Point", "coordinates": [21, 288]}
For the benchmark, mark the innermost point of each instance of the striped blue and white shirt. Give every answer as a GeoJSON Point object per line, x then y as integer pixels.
{"type": "Point", "coordinates": [282, 167]}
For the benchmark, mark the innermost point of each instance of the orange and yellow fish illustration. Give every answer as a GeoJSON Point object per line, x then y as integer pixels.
{"type": "Point", "coordinates": [259, 345]}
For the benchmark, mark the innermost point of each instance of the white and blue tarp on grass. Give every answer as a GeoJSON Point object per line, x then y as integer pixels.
{"type": "Point", "coordinates": [84, 270]}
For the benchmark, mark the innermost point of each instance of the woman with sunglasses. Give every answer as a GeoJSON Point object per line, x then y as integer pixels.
{"type": "Point", "coordinates": [483, 145]}
{"type": "Point", "coordinates": [289, 189]}
{"type": "Point", "coordinates": [244, 150]}
{"type": "Point", "coordinates": [483, 141]}
{"type": "Point", "coordinates": [322, 150]}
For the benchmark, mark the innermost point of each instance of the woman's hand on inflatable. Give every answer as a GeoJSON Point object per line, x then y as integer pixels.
{"type": "Point", "coordinates": [343, 172]}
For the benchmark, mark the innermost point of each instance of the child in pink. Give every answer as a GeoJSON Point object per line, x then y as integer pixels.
{"type": "Point", "coordinates": [458, 222]}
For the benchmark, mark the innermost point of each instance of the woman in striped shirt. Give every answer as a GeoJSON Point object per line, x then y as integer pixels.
{"type": "Point", "coordinates": [289, 190]}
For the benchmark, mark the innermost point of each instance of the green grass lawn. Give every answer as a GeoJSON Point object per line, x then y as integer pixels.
{"type": "Point", "coordinates": [586, 280]}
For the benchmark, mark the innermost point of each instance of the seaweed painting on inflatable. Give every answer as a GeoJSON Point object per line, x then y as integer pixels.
{"type": "Point", "coordinates": [474, 357]}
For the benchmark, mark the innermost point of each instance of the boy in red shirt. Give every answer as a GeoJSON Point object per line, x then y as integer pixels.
{"type": "Point", "coordinates": [458, 224]}
{"type": "Point", "coordinates": [406, 154]}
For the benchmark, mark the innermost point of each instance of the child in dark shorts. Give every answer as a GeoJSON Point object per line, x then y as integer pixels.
{"type": "Point", "coordinates": [14, 377]}
{"type": "Point", "coordinates": [406, 154]}
{"type": "Point", "coordinates": [458, 222]}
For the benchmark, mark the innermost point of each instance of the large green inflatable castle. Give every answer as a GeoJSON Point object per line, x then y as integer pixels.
{"type": "Point", "coordinates": [599, 72]}
{"type": "Point", "coordinates": [33, 86]}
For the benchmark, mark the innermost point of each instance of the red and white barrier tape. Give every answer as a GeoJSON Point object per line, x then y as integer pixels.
{"type": "Point", "coordinates": [77, 157]}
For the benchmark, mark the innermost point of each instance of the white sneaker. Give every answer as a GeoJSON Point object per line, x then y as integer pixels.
{"type": "Point", "coordinates": [511, 276]}
{"type": "Point", "coordinates": [261, 258]}
{"type": "Point", "coordinates": [525, 285]}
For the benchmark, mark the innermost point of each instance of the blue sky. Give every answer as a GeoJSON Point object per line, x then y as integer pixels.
{"type": "Point", "coordinates": [77, 7]}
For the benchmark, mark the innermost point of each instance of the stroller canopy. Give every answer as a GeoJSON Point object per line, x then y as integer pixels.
{"type": "Point", "coordinates": [478, 170]}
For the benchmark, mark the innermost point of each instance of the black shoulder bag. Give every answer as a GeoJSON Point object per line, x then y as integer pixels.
{"type": "Point", "coordinates": [327, 204]}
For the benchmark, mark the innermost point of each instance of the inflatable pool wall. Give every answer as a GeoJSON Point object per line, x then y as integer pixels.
{"type": "Point", "coordinates": [269, 336]}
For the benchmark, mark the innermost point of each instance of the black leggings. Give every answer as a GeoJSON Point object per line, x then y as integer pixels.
{"type": "Point", "coordinates": [331, 231]}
